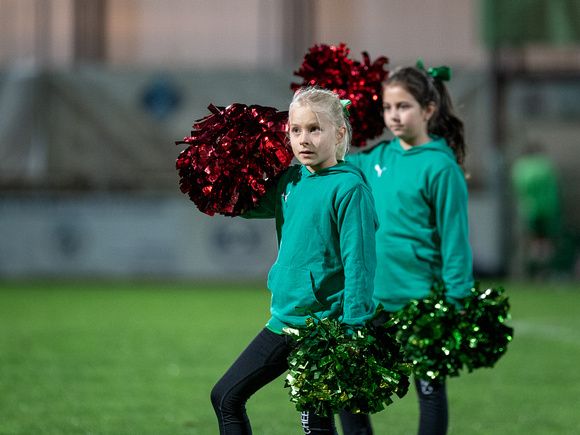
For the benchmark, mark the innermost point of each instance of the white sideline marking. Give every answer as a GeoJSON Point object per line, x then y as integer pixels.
{"type": "Point", "coordinates": [560, 334]}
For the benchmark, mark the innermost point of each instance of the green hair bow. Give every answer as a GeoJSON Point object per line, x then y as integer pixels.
{"type": "Point", "coordinates": [442, 73]}
{"type": "Point", "coordinates": [345, 104]}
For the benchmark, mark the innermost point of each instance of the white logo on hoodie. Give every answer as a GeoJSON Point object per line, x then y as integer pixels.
{"type": "Point", "coordinates": [380, 170]}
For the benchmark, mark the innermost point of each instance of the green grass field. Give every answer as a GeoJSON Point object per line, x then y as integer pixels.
{"type": "Point", "coordinates": [141, 358]}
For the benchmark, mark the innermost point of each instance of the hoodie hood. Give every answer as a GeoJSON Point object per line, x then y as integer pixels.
{"type": "Point", "coordinates": [340, 167]}
{"type": "Point", "coordinates": [437, 144]}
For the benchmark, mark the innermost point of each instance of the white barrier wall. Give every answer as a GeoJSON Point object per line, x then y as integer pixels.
{"type": "Point", "coordinates": [160, 236]}
{"type": "Point", "coordinates": [121, 235]}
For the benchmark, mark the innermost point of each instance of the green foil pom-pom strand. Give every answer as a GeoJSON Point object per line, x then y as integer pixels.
{"type": "Point", "coordinates": [334, 368]}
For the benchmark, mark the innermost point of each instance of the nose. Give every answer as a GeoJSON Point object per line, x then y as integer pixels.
{"type": "Point", "coordinates": [303, 137]}
{"type": "Point", "coordinates": [392, 114]}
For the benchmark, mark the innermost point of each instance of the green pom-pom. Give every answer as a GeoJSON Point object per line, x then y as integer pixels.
{"type": "Point", "coordinates": [440, 340]}
{"type": "Point", "coordinates": [428, 334]}
{"type": "Point", "coordinates": [485, 336]}
{"type": "Point", "coordinates": [334, 368]}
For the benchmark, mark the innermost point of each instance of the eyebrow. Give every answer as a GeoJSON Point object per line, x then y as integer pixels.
{"type": "Point", "coordinates": [397, 102]}
{"type": "Point", "coordinates": [314, 124]}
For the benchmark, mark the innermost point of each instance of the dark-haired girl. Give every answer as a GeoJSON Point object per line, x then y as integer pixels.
{"type": "Point", "coordinates": [421, 200]}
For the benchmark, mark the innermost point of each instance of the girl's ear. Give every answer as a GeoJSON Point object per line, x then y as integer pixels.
{"type": "Point", "coordinates": [430, 110]}
{"type": "Point", "coordinates": [340, 134]}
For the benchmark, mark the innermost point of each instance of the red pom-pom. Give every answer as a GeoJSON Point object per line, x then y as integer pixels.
{"type": "Point", "coordinates": [233, 155]}
{"type": "Point", "coordinates": [329, 67]}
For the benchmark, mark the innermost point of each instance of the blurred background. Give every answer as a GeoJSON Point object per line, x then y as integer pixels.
{"type": "Point", "coordinates": [94, 94]}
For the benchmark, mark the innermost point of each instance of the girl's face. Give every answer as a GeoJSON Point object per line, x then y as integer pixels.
{"type": "Point", "coordinates": [405, 117]}
{"type": "Point", "coordinates": [314, 139]}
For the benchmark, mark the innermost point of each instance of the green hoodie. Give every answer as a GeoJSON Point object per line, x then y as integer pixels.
{"type": "Point", "coordinates": [326, 224]}
{"type": "Point", "coordinates": [421, 201]}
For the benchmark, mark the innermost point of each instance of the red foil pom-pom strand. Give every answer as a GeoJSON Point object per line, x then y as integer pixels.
{"type": "Point", "coordinates": [233, 155]}
{"type": "Point", "coordinates": [330, 67]}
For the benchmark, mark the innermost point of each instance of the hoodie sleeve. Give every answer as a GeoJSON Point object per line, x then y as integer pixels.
{"type": "Point", "coordinates": [357, 223]}
{"type": "Point", "coordinates": [266, 208]}
{"type": "Point", "coordinates": [450, 200]}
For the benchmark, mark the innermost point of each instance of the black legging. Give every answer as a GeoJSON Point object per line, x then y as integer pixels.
{"type": "Point", "coordinates": [433, 413]}
{"type": "Point", "coordinates": [261, 362]}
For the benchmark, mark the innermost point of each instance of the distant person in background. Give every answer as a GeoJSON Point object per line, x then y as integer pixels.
{"type": "Point", "coordinates": [536, 187]}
